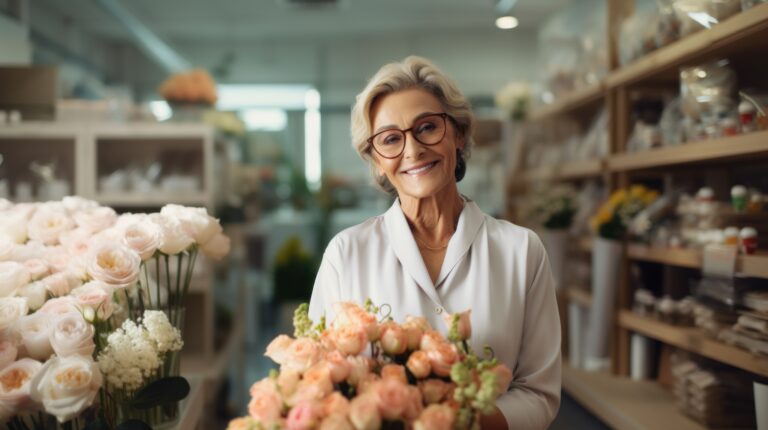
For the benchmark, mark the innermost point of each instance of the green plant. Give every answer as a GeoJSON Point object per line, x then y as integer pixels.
{"type": "Point", "coordinates": [294, 272]}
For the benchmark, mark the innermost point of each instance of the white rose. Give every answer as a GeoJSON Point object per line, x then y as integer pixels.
{"type": "Point", "coordinates": [195, 221]}
{"type": "Point", "coordinates": [13, 225]}
{"type": "Point", "coordinates": [60, 284]}
{"type": "Point", "coordinates": [95, 219]}
{"type": "Point", "coordinates": [27, 251]}
{"type": "Point", "coordinates": [7, 247]}
{"type": "Point", "coordinates": [37, 268]}
{"type": "Point", "coordinates": [175, 238]}
{"type": "Point", "coordinates": [66, 386]}
{"type": "Point", "coordinates": [11, 309]}
{"type": "Point", "coordinates": [16, 384]}
{"type": "Point", "coordinates": [35, 330]}
{"type": "Point", "coordinates": [217, 247]}
{"type": "Point", "coordinates": [47, 224]}
{"type": "Point", "coordinates": [57, 257]}
{"type": "Point", "coordinates": [114, 264]}
{"type": "Point", "coordinates": [72, 335]}
{"type": "Point", "coordinates": [128, 219]}
{"type": "Point", "coordinates": [5, 204]}
{"type": "Point", "coordinates": [95, 295]}
{"type": "Point", "coordinates": [8, 353]}
{"type": "Point", "coordinates": [75, 204]}
{"type": "Point", "coordinates": [35, 293]}
{"type": "Point", "coordinates": [13, 276]}
{"type": "Point", "coordinates": [144, 238]}
{"type": "Point", "coordinates": [77, 241]}
{"type": "Point", "coordinates": [59, 306]}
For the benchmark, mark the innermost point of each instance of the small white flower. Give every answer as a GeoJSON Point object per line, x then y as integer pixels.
{"type": "Point", "coordinates": [166, 337]}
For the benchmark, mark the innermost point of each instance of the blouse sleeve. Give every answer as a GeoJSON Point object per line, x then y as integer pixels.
{"type": "Point", "coordinates": [534, 396]}
{"type": "Point", "coordinates": [326, 290]}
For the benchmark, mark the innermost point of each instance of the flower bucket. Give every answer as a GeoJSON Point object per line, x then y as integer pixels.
{"type": "Point", "coordinates": [606, 262]}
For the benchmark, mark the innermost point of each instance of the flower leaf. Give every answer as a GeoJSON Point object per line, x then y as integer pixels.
{"type": "Point", "coordinates": [133, 425]}
{"type": "Point", "coordinates": [161, 392]}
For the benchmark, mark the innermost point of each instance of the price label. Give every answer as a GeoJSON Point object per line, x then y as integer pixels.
{"type": "Point", "coordinates": [719, 260]}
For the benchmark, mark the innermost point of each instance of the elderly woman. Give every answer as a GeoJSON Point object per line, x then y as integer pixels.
{"type": "Point", "coordinates": [435, 251]}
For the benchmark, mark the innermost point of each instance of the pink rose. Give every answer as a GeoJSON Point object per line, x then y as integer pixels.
{"type": "Point", "coordinates": [335, 421]}
{"type": "Point", "coordinates": [394, 371]}
{"type": "Point", "coordinates": [15, 383]}
{"type": "Point", "coordinates": [431, 340]}
{"type": "Point", "coordinates": [464, 326]}
{"type": "Point", "coordinates": [318, 376]}
{"type": "Point", "coordinates": [8, 353]}
{"type": "Point", "coordinates": [59, 305]}
{"type": "Point", "coordinates": [503, 377]}
{"type": "Point", "coordinates": [442, 357]}
{"type": "Point", "coordinates": [415, 404]}
{"type": "Point", "coordinates": [35, 332]}
{"type": "Point", "coordinates": [303, 354]}
{"type": "Point", "coordinates": [338, 365]}
{"type": "Point", "coordinates": [393, 338]}
{"type": "Point", "coordinates": [60, 284]}
{"type": "Point", "coordinates": [13, 276]}
{"type": "Point", "coordinates": [266, 404]}
{"type": "Point", "coordinates": [95, 219]}
{"type": "Point", "coordinates": [303, 416]}
{"type": "Point", "coordinates": [350, 340]}
{"type": "Point", "coordinates": [359, 367]}
{"type": "Point", "coordinates": [72, 335]}
{"type": "Point", "coordinates": [144, 238]}
{"type": "Point", "coordinates": [37, 268]}
{"type": "Point", "coordinates": [115, 265]}
{"type": "Point", "coordinates": [288, 381]}
{"type": "Point", "coordinates": [364, 412]}
{"type": "Point", "coordinates": [278, 349]}
{"type": "Point", "coordinates": [418, 364]}
{"type": "Point", "coordinates": [97, 296]}
{"type": "Point", "coordinates": [350, 314]}
{"type": "Point", "coordinates": [392, 398]}
{"type": "Point", "coordinates": [77, 241]}
{"type": "Point", "coordinates": [335, 403]}
{"type": "Point", "coordinates": [47, 224]}
{"type": "Point", "coordinates": [434, 390]}
{"type": "Point", "coordinates": [435, 417]}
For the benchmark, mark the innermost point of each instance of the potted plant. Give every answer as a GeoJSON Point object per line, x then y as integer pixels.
{"type": "Point", "coordinates": [554, 209]}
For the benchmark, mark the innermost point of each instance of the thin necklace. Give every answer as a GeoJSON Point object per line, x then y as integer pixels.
{"type": "Point", "coordinates": [431, 248]}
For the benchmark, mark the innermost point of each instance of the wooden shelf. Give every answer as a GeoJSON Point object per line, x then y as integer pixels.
{"type": "Point", "coordinates": [755, 265]}
{"type": "Point", "coordinates": [569, 102]}
{"type": "Point", "coordinates": [694, 340]}
{"type": "Point", "coordinates": [567, 171]}
{"type": "Point", "coordinates": [749, 28]}
{"type": "Point", "coordinates": [743, 145]}
{"type": "Point", "coordinates": [626, 404]}
{"type": "Point", "coordinates": [160, 198]}
{"type": "Point", "coordinates": [580, 296]}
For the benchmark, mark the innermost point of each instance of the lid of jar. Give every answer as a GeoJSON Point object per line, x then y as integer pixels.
{"type": "Point", "coordinates": [738, 191]}
{"type": "Point", "coordinates": [748, 232]}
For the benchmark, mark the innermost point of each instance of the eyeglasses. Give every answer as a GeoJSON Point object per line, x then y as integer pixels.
{"type": "Point", "coordinates": [427, 130]}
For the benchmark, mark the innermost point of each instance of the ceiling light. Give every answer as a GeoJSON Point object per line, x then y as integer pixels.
{"type": "Point", "coordinates": [506, 22]}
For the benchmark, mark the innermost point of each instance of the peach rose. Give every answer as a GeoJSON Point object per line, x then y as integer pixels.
{"type": "Point", "coordinates": [359, 367]}
{"type": "Point", "coordinates": [278, 349]}
{"type": "Point", "coordinates": [350, 340]}
{"type": "Point", "coordinates": [336, 421]}
{"type": "Point", "coordinates": [306, 393]}
{"type": "Point", "coordinates": [266, 404]}
{"type": "Point", "coordinates": [431, 340]}
{"type": "Point", "coordinates": [434, 390]}
{"type": "Point", "coordinates": [335, 403]}
{"type": "Point", "coordinates": [350, 314]}
{"type": "Point", "coordinates": [415, 404]}
{"type": "Point", "coordinates": [318, 376]}
{"type": "Point", "coordinates": [217, 247]}
{"type": "Point", "coordinates": [435, 417]}
{"type": "Point", "coordinates": [338, 365]}
{"type": "Point", "coordinates": [418, 364]}
{"type": "Point", "coordinates": [503, 377]}
{"type": "Point", "coordinates": [442, 358]}
{"type": "Point", "coordinates": [304, 416]}
{"type": "Point", "coordinates": [367, 382]}
{"type": "Point", "coordinates": [364, 412]}
{"type": "Point", "coordinates": [15, 383]}
{"type": "Point", "coordinates": [392, 397]}
{"type": "Point", "coordinates": [393, 338]}
{"type": "Point", "coordinates": [394, 371]}
{"type": "Point", "coordinates": [288, 381]}
{"type": "Point", "coordinates": [464, 326]}
{"type": "Point", "coordinates": [414, 328]}
{"type": "Point", "coordinates": [303, 353]}
{"type": "Point", "coordinates": [242, 423]}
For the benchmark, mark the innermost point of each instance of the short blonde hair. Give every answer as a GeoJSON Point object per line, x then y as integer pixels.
{"type": "Point", "coordinates": [412, 72]}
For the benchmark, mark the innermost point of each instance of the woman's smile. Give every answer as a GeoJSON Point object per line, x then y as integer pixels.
{"type": "Point", "coordinates": [421, 169]}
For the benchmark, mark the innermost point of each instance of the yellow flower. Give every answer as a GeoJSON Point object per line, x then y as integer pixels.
{"type": "Point", "coordinates": [617, 197]}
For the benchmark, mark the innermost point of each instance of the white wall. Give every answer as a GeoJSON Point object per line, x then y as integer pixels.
{"type": "Point", "coordinates": [14, 42]}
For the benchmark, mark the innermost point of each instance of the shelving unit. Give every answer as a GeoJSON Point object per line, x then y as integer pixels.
{"type": "Point", "coordinates": [572, 170]}
{"type": "Point", "coordinates": [570, 103]}
{"type": "Point", "coordinates": [755, 265]}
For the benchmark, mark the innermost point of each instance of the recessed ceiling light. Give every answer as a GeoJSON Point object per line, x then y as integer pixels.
{"type": "Point", "coordinates": [506, 22]}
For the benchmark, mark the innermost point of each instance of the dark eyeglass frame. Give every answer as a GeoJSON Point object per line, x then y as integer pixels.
{"type": "Point", "coordinates": [442, 115]}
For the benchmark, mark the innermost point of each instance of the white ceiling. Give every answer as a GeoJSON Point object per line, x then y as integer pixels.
{"type": "Point", "coordinates": [240, 20]}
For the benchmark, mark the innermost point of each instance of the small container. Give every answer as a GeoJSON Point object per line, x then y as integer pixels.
{"type": "Point", "coordinates": [729, 127]}
{"type": "Point", "coordinates": [739, 197]}
{"type": "Point", "coordinates": [747, 116]}
{"type": "Point", "coordinates": [705, 194]}
{"type": "Point", "coordinates": [748, 236]}
{"type": "Point", "coordinates": [755, 205]}
{"type": "Point", "coordinates": [731, 236]}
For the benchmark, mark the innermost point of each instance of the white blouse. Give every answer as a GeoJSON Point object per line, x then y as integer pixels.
{"type": "Point", "coordinates": [495, 268]}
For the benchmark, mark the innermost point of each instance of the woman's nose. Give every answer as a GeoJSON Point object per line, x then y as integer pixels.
{"type": "Point", "coordinates": [413, 148]}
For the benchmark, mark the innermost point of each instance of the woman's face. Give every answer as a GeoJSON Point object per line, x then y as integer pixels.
{"type": "Point", "coordinates": [421, 170]}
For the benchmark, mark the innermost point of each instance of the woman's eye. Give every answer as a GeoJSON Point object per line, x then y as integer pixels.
{"type": "Point", "coordinates": [426, 127]}
{"type": "Point", "coordinates": [391, 139]}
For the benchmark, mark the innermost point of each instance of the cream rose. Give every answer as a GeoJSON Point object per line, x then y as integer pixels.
{"type": "Point", "coordinates": [287, 381]}
{"type": "Point", "coordinates": [15, 383]}
{"type": "Point", "coordinates": [418, 364]}
{"type": "Point", "coordinates": [114, 264]}
{"type": "Point", "coordinates": [97, 296]}
{"type": "Point", "coordinates": [175, 238]}
{"type": "Point", "coordinates": [66, 386]}
{"type": "Point", "coordinates": [8, 353]}
{"type": "Point", "coordinates": [59, 306]}
{"type": "Point", "coordinates": [278, 349]}
{"type": "Point", "coordinates": [35, 330]}
{"type": "Point", "coordinates": [13, 276]}
{"type": "Point", "coordinates": [35, 293]}
{"type": "Point", "coordinates": [435, 417]}
{"type": "Point", "coordinates": [62, 283]}
{"type": "Point", "coordinates": [7, 247]}
{"type": "Point", "coordinates": [13, 226]}
{"type": "Point", "coordinates": [76, 204]}
{"type": "Point", "coordinates": [95, 219]}
{"type": "Point", "coordinates": [364, 412]}
{"type": "Point", "coordinates": [195, 221]}
{"type": "Point", "coordinates": [217, 247]}
{"type": "Point", "coordinates": [37, 268]}
{"type": "Point", "coordinates": [47, 224]}
{"type": "Point", "coordinates": [71, 335]}
{"type": "Point", "coordinates": [11, 310]}
{"type": "Point", "coordinates": [144, 238]}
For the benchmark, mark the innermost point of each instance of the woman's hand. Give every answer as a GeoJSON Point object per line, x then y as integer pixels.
{"type": "Point", "coordinates": [494, 421]}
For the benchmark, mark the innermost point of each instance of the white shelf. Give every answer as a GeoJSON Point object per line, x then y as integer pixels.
{"type": "Point", "coordinates": [153, 199]}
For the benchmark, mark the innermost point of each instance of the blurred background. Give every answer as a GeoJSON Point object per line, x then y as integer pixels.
{"type": "Point", "coordinates": [243, 107]}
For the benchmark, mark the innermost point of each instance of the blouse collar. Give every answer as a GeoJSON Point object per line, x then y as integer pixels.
{"type": "Point", "coordinates": [405, 248]}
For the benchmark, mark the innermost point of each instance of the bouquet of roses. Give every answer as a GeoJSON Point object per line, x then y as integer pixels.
{"type": "Point", "coordinates": [363, 372]}
{"type": "Point", "coordinates": [89, 311]}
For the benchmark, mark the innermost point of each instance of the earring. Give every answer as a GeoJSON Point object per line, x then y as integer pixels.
{"type": "Point", "coordinates": [461, 165]}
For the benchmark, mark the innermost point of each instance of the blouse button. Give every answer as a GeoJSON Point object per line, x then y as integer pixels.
{"type": "Point", "coordinates": [438, 310]}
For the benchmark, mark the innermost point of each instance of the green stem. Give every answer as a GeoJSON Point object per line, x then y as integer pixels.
{"type": "Point", "coordinates": [179, 260]}
{"type": "Point", "coordinates": [190, 269]}
{"type": "Point", "coordinates": [168, 287]}
{"type": "Point", "coordinates": [157, 279]}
